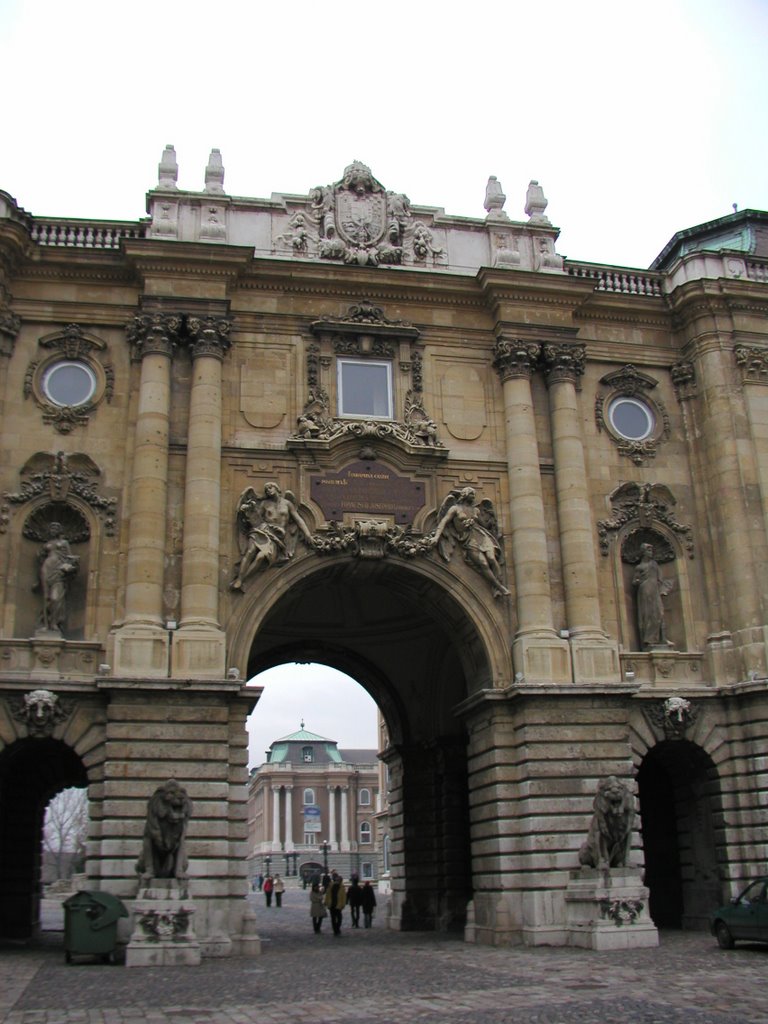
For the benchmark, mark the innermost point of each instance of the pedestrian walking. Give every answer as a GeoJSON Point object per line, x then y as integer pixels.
{"type": "Point", "coordinates": [317, 909]}
{"type": "Point", "coordinates": [267, 890]}
{"type": "Point", "coordinates": [335, 901]}
{"type": "Point", "coordinates": [278, 887]}
{"type": "Point", "coordinates": [368, 904]}
{"type": "Point", "coordinates": [354, 894]}
{"type": "Point", "coordinates": [261, 881]}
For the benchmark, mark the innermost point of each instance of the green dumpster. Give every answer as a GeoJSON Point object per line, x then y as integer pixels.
{"type": "Point", "coordinates": [90, 924]}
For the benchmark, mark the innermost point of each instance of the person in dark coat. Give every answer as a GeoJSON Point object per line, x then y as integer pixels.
{"type": "Point", "coordinates": [368, 903]}
{"type": "Point", "coordinates": [354, 894]}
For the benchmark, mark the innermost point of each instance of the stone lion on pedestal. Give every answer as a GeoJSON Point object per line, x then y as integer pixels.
{"type": "Point", "coordinates": [610, 832]}
{"type": "Point", "coordinates": [163, 852]}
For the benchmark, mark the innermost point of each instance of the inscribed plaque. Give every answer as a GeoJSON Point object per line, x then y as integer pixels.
{"type": "Point", "coordinates": [369, 488]}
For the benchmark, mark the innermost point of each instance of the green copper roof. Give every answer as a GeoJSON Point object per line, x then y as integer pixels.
{"type": "Point", "coordinates": [303, 736]}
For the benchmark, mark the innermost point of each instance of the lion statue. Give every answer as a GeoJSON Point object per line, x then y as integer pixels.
{"type": "Point", "coordinates": [163, 852]}
{"type": "Point", "coordinates": [610, 832]}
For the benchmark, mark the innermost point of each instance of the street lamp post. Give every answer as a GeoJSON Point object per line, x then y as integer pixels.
{"type": "Point", "coordinates": [325, 856]}
{"type": "Point", "coordinates": [267, 862]}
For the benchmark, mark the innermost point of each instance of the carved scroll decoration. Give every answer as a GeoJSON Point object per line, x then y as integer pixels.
{"type": "Point", "coordinates": [60, 475]}
{"type": "Point", "coordinates": [629, 382]}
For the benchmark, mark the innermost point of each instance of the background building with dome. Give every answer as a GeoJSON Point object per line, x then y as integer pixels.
{"type": "Point", "coordinates": [312, 806]}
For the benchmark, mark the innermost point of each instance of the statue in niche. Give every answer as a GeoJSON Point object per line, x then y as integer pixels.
{"type": "Point", "coordinates": [650, 589]}
{"type": "Point", "coordinates": [475, 529]}
{"type": "Point", "coordinates": [58, 566]}
{"type": "Point", "coordinates": [270, 526]}
{"type": "Point", "coordinates": [610, 832]}
{"type": "Point", "coordinates": [163, 850]}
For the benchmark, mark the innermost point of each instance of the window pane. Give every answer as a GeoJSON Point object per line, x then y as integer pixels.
{"type": "Point", "coordinates": [364, 389]}
{"type": "Point", "coordinates": [69, 383]}
{"type": "Point", "coordinates": [631, 419]}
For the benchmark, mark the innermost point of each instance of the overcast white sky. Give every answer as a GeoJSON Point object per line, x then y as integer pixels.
{"type": "Point", "coordinates": [638, 118]}
{"type": "Point", "coordinates": [328, 702]}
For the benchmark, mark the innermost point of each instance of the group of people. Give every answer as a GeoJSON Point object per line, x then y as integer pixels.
{"type": "Point", "coordinates": [272, 885]}
{"type": "Point", "coordinates": [329, 896]}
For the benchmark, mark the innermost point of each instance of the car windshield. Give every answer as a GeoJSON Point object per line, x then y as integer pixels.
{"type": "Point", "coordinates": [754, 893]}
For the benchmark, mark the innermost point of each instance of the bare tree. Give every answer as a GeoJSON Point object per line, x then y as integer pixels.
{"type": "Point", "coordinates": [65, 829]}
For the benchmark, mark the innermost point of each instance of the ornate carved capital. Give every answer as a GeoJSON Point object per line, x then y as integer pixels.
{"type": "Point", "coordinates": [513, 357]}
{"type": "Point", "coordinates": [753, 362]}
{"type": "Point", "coordinates": [209, 336]}
{"type": "Point", "coordinates": [563, 362]}
{"type": "Point", "coordinates": [10, 325]}
{"type": "Point", "coordinates": [156, 333]}
{"type": "Point", "coordinates": [684, 380]}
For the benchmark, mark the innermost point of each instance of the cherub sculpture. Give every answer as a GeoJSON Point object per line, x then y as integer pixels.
{"type": "Point", "coordinates": [474, 528]}
{"type": "Point", "coordinates": [269, 527]}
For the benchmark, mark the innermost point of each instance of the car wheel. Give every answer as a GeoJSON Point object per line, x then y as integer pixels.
{"type": "Point", "coordinates": [723, 934]}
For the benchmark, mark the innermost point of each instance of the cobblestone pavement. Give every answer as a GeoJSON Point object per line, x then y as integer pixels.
{"type": "Point", "coordinates": [383, 977]}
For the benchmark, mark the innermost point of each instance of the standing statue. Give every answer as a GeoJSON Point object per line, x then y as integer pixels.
{"type": "Point", "coordinates": [163, 851]}
{"type": "Point", "coordinates": [650, 590]}
{"type": "Point", "coordinates": [610, 832]}
{"type": "Point", "coordinates": [270, 525]}
{"type": "Point", "coordinates": [473, 527]}
{"type": "Point", "coordinates": [57, 567]}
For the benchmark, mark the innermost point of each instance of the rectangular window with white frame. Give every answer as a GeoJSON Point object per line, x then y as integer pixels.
{"type": "Point", "coordinates": [365, 388]}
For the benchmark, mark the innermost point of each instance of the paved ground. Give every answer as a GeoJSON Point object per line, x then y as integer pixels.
{"type": "Point", "coordinates": [381, 977]}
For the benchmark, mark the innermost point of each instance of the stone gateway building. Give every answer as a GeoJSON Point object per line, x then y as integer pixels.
{"type": "Point", "coordinates": [521, 499]}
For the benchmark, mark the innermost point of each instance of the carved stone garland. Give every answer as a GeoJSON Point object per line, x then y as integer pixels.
{"type": "Point", "coordinates": [58, 476]}
{"type": "Point", "coordinates": [643, 504]}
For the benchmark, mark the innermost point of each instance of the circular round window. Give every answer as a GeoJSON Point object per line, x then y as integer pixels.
{"type": "Point", "coordinates": [631, 418]}
{"type": "Point", "coordinates": [69, 383]}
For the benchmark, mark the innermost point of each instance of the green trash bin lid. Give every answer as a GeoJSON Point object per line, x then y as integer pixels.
{"type": "Point", "coordinates": [111, 907]}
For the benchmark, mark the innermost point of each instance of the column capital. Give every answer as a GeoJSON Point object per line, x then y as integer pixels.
{"type": "Point", "coordinates": [154, 333]}
{"type": "Point", "coordinates": [563, 361]}
{"type": "Point", "coordinates": [208, 336]}
{"type": "Point", "coordinates": [10, 325]}
{"type": "Point", "coordinates": [514, 357]}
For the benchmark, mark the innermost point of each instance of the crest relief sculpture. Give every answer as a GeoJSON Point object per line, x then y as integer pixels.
{"type": "Point", "coordinates": [358, 221]}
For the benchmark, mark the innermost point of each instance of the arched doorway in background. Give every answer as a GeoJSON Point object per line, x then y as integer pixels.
{"type": "Point", "coordinates": [680, 809]}
{"type": "Point", "coordinates": [32, 772]}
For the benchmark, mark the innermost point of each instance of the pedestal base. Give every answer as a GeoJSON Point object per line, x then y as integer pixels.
{"type": "Point", "coordinates": [163, 927]}
{"type": "Point", "coordinates": [608, 909]}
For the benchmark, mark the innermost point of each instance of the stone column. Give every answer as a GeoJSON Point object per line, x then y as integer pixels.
{"type": "Point", "coordinates": [289, 818]}
{"type": "Point", "coordinates": [539, 653]}
{"type": "Point", "coordinates": [141, 641]}
{"type": "Point", "coordinates": [275, 817]}
{"type": "Point", "coordinates": [332, 817]}
{"type": "Point", "coordinates": [595, 658]}
{"type": "Point", "coordinates": [736, 519]}
{"type": "Point", "coordinates": [345, 818]}
{"type": "Point", "coordinates": [199, 647]}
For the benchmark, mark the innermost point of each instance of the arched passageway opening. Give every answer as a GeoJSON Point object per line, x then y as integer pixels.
{"type": "Point", "coordinates": [32, 772]}
{"type": "Point", "coordinates": [411, 645]}
{"type": "Point", "coordinates": [680, 808]}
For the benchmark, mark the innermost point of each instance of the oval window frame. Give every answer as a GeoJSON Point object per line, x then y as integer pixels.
{"type": "Point", "coordinates": [637, 403]}
{"type": "Point", "coordinates": [50, 370]}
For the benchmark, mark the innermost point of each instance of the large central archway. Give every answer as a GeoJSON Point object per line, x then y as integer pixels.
{"type": "Point", "coordinates": [419, 653]}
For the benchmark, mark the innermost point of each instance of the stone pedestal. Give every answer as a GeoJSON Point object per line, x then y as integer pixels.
{"type": "Point", "coordinates": [608, 909]}
{"type": "Point", "coordinates": [163, 927]}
